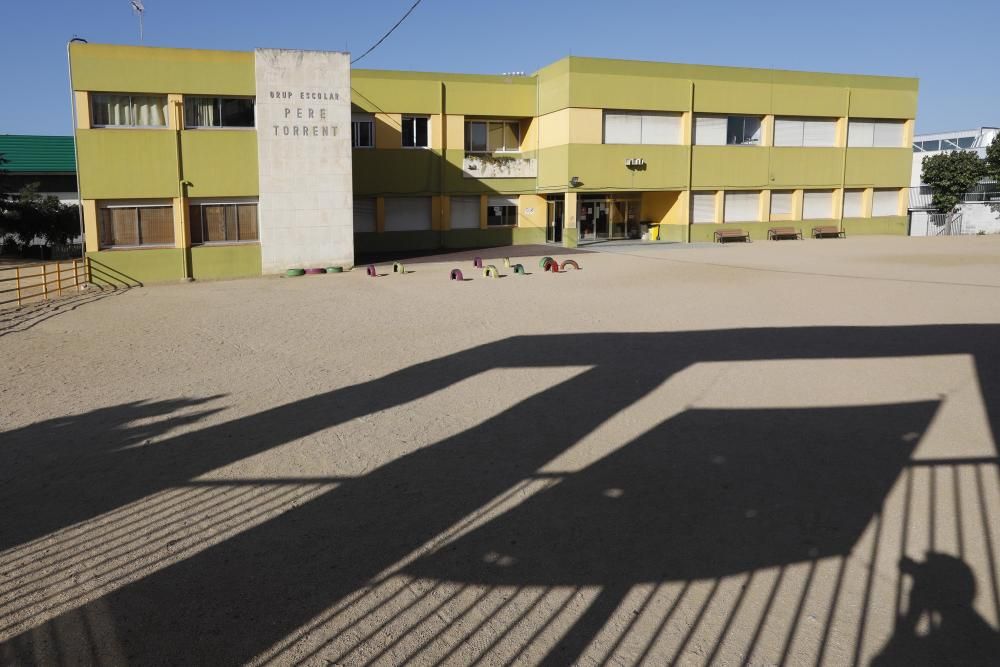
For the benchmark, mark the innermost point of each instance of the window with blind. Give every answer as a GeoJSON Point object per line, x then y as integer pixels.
{"type": "Point", "coordinates": [407, 214]}
{"type": "Point", "coordinates": [712, 130]}
{"type": "Point", "coordinates": [805, 131]}
{"type": "Point", "coordinates": [364, 214]}
{"type": "Point", "coordinates": [703, 207]}
{"type": "Point", "coordinates": [817, 205]}
{"type": "Point", "coordinates": [854, 203]}
{"type": "Point", "coordinates": [416, 132]}
{"type": "Point", "coordinates": [464, 212]}
{"type": "Point", "coordinates": [362, 130]}
{"type": "Point", "coordinates": [885, 202]}
{"type": "Point", "coordinates": [218, 112]}
{"type": "Point", "coordinates": [634, 127]}
{"type": "Point", "coordinates": [124, 226]}
{"type": "Point", "coordinates": [223, 223]}
{"type": "Point", "coordinates": [863, 133]}
{"type": "Point", "coordinates": [124, 110]}
{"type": "Point", "coordinates": [501, 211]}
{"type": "Point", "coordinates": [492, 136]}
{"type": "Point", "coordinates": [782, 205]}
{"type": "Point", "coordinates": [742, 207]}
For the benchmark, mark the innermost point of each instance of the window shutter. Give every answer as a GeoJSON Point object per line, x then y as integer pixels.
{"type": "Point", "coordinates": [710, 130]}
{"type": "Point", "coordinates": [661, 128]}
{"type": "Point", "coordinates": [819, 132]}
{"type": "Point", "coordinates": [742, 206]}
{"type": "Point", "coordinates": [703, 207]}
{"type": "Point", "coordinates": [403, 214]}
{"type": "Point", "coordinates": [622, 128]}
{"type": "Point", "coordinates": [887, 134]}
{"type": "Point", "coordinates": [852, 203]}
{"type": "Point", "coordinates": [860, 134]}
{"type": "Point", "coordinates": [788, 132]}
{"type": "Point", "coordinates": [817, 205]}
{"type": "Point", "coordinates": [885, 202]}
{"type": "Point", "coordinates": [781, 203]}
{"type": "Point", "coordinates": [364, 214]}
{"type": "Point", "coordinates": [465, 212]}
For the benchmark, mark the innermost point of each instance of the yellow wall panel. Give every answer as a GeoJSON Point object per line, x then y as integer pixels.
{"type": "Point", "coordinates": [732, 97]}
{"type": "Point", "coordinates": [879, 167]}
{"type": "Point", "coordinates": [220, 163]}
{"type": "Point", "coordinates": [127, 163]}
{"type": "Point", "coordinates": [875, 103]}
{"type": "Point", "coordinates": [792, 100]}
{"type": "Point", "coordinates": [729, 167]}
{"type": "Point", "coordinates": [805, 167]}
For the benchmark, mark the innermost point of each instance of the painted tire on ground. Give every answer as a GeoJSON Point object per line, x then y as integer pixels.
{"type": "Point", "coordinates": [570, 262]}
{"type": "Point", "coordinates": [334, 269]}
{"type": "Point", "coordinates": [371, 271]}
{"type": "Point", "coordinates": [398, 267]}
{"type": "Point", "coordinates": [519, 269]}
{"type": "Point", "coordinates": [315, 272]}
{"type": "Point", "coordinates": [456, 274]}
{"type": "Point", "coordinates": [551, 265]}
{"type": "Point", "coordinates": [506, 262]}
{"type": "Point", "coordinates": [490, 272]}
{"type": "Point", "coordinates": [477, 262]}
{"type": "Point", "coordinates": [291, 273]}
{"type": "Point", "coordinates": [543, 260]}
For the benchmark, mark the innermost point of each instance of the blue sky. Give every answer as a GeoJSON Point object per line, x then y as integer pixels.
{"type": "Point", "coordinates": [949, 46]}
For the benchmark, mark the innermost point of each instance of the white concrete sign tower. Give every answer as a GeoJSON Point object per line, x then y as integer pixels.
{"type": "Point", "coordinates": [304, 153]}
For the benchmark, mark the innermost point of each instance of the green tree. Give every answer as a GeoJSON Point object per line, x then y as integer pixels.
{"type": "Point", "coordinates": [30, 215]}
{"type": "Point", "coordinates": [951, 175]}
{"type": "Point", "coordinates": [993, 159]}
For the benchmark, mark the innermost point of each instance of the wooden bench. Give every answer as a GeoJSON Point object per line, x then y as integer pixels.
{"type": "Point", "coordinates": [779, 233]}
{"type": "Point", "coordinates": [726, 235]}
{"type": "Point", "coordinates": [828, 232]}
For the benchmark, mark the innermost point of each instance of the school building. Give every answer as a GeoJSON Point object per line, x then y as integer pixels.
{"type": "Point", "coordinates": [213, 164]}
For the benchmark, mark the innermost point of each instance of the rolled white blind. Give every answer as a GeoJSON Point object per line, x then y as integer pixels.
{"type": "Point", "coordinates": [407, 214]}
{"type": "Point", "coordinates": [661, 128]}
{"type": "Point", "coordinates": [364, 214]}
{"type": "Point", "coordinates": [502, 201]}
{"type": "Point", "coordinates": [622, 128]}
{"type": "Point", "coordinates": [819, 132]}
{"type": "Point", "coordinates": [788, 131]}
{"type": "Point", "coordinates": [860, 134]}
{"type": "Point", "coordinates": [742, 206]}
{"type": "Point", "coordinates": [885, 202]}
{"type": "Point", "coordinates": [817, 205]}
{"type": "Point", "coordinates": [710, 130]}
{"type": "Point", "coordinates": [703, 207]}
{"type": "Point", "coordinates": [887, 134]}
{"type": "Point", "coordinates": [781, 203]}
{"type": "Point", "coordinates": [852, 203]}
{"type": "Point", "coordinates": [465, 212]}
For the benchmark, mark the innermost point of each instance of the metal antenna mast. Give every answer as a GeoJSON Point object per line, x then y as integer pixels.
{"type": "Point", "coordinates": [138, 9]}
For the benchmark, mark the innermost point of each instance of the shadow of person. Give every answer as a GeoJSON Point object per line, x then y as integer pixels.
{"type": "Point", "coordinates": [944, 588]}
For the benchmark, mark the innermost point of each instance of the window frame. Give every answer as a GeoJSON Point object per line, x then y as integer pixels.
{"type": "Point", "coordinates": [760, 129]}
{"type": "Point", "coordinates": [506, 215]}
{"type": "Point", "coordinates": [201, 206]}
{"type": "Point", "coordinates": [92, 98]}
{"type": "Point", "coordinates": [642, 116]}
{"type": "Point", "coordinates": [138, 227]}
{"type": "Point", "coordinates": [402, 123]}
{"type": "Point", "coordinates": [368, 120]}
{"type": "Point", "coordinates": [217, 99]}
{"type": "Point", "coordinates": [487, 121]}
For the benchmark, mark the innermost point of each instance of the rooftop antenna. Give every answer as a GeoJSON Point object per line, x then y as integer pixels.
{"type": "Point", "coordinates": [138, 9]}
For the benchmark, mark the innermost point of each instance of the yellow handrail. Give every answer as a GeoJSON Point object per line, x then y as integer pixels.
{"type": "Point", "coordinates": [36, 285]}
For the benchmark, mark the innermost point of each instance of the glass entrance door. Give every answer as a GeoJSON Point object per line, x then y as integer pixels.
{"type": "Point", "coordinates": [554, 221]}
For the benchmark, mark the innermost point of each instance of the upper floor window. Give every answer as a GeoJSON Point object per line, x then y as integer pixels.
{"type": "Point", "coordinates": [492, 136]}
{"type": "Point", "coordinates": [416, 132]}
{"type": "Point", "coordinates": [218, 111]}
{"type": "Point", "coordinates": [875, 133]}
{"type": "Point", "coordinates": [805, 132]}
{"type": "Point", "coordinates": [362, 130]}
{"type": "Point", "coordinates": [635, 127]}
{"type": "Point", "coordinates": [710, 130]}
{"type": "Point", "coordinates": [124, 110]}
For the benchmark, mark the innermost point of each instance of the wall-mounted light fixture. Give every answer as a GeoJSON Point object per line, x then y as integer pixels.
{"type": "Point", "coordinates": [574, 181]}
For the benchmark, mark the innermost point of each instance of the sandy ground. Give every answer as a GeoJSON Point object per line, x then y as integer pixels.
{"type": "Point", "coordinates": [771, 453]}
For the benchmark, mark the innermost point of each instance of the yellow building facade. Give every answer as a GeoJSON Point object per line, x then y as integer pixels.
{"type": "Point", "coordinates": [583, 151]}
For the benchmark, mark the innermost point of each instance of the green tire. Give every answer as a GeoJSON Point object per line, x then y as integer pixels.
{"type": "Point", "coordinates": [541, 262]}
{"type": "Point", "coordinates": [334, 269]}
{"type": "Point", "coordinates": [291, 273]}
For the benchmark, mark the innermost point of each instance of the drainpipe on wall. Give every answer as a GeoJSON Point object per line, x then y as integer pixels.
{"type": "Point", "coordinates": [843, 167]}
{"type": "Point", "coordinates": [441, 167]}
{"type": "Point", "coordinates": [186, 254]}
{"type": "Point", "coordinates": [690, 138]}
{"type": "Point", "coordinates": [76, 152]}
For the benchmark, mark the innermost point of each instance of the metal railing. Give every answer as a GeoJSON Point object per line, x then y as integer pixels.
{"type": "Point", "coordinates": [31, 283]}
{"type": "Point", "coordinates": [944, 224]}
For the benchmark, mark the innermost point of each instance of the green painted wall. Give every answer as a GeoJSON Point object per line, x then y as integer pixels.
{"type": "Point", "coordinates": [879, 167]}
{"type": "Point", "coordinates": [805, 167]}
{"type": "Point", "coordinates": [398, 171]}
{"type": "Point", "coordinates": [896, 225]}
{"type": "Point", "coordinates": [731, 167]}
{"type": "Point", "coordinates": [601, 167]}
{"type": "Point", "coordinates": [133, 69]}
{"type": "Point", "coordinates": [370, 243]}
{"type": "Point", "coordinates": [704, 233]}
{"type": "Point", "coordinates": [675, 233]}
{"type": "Point", "coordinates": [136, 267]}
{"type": "Point", "coordinates": [225, 261]}
{"type": "Point", "coordinates": [570, 237]}
{"type": "Point", "coordinates": [220, 163]}
{"type": "Point", "coordinates": [553, 168]}
{"type": "Point", "coordinates": [127, 163]}
{"type": "Point", "coordinates": [420, 92]}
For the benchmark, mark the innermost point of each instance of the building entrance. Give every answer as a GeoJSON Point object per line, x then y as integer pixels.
{"type": "Point", "coordinates": [609, 217]}
{"type": "Point", "coordinates": [554, 220]}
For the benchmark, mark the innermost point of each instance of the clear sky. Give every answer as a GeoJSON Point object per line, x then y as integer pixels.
{"type": "Point", "coordinates": [950, 46]}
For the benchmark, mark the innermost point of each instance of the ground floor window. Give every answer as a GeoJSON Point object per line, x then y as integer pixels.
{"type": "Point", "coordinates": [609, 217]}
{"type": "Point", "coordinates": [223, 222]}
{"type": "Point", "coordinates": [464, 213]}
{"type": "Point", "coordinates": [817, 205]}
{"type": "Point", "coordinates": [501, 212]}
{"type": "Point", "coordinates": [364, 215]}
{"type": "Point", "coordinates": [407, 214]}
{"type": "Point", "coordinates": [136, 225]}
{"type": "Point", "coordinates": [702, 207]}
{"type": "Point", "coordinates": [885, 202]}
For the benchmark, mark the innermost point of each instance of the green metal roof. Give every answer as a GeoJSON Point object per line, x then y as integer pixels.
{"type": "Point", "coordinates": [33, 154]}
